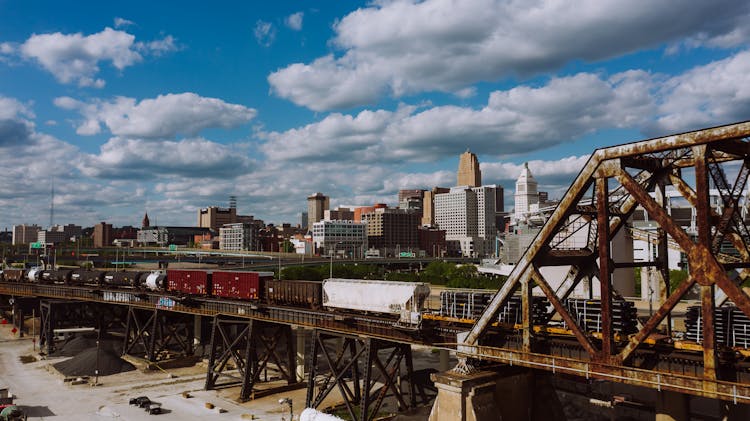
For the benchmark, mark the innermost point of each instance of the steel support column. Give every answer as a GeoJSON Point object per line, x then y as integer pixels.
{"type": "Point", "coordinates": [605, 272]}
{"type": "Point", "coordinates": [363, 392]}
{"type": "Point", "coordinates": [241, 351]}
{"type": "Point", "coordinates": [156, 334]}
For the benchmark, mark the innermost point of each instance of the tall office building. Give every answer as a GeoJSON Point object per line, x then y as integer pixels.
{"type": "Point", "coordinates": [214, 217]}
{"type": "Point", "coordinates": [317, 204]}
{"type": "Point", "coordinates": [468, 170]}
{"type": "Point", "coordinates": [467, 215]}
{"type": "Point", "coordinates": [103, 235]}
{"type": "Point", "coordinates": [527, 196]}
{"type": "Point", "coordinates": [25, 234]}
{"type": "Point", "coordinates": [392, 230]}
{"type": "Point", "coordinates": [428, 205]}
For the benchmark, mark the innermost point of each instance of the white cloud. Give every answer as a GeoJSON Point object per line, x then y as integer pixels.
{"type": "Point", "coordinates": [294, 21]}
{"type": "Point", "coordinates": [143, 159]}
{"type": "Point", "coordinates": [708, 95]}
{"type": "Point", "coordinates": [518, 120]}
{"type": "Point", "coordinates": [160, 46]}
{"type": "Point", "coordinates": [121, 23]}
{"type": "Point", "coordinates": [76, 58]}
{"type": "Point", "coordinates": [164, 117]}
{"type": "Point", "coordinates": [446, 45]}
{"type": "Point", "coordinates": [265, 33]}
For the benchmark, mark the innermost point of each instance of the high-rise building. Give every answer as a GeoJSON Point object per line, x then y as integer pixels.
{"type": "Point", "coordinates": [25, 234]}
{"type": "Point", "coordinates": [317, 204]}
{"type": "Point", "coordinates": [103, 235]}
{"type": "Point", "coordinates": [51, 237]}
{"type": "Point", "coordinates": [428, 205]}
{"type": "Point", "coordinates": [527, 196]}
{"type": "Point", "coordinates": [344, 237]}
{"type": "Point", "coordinates": [340, 214]}
{"type": "Point", "coordinates": [214, 217]}
{"type": "Point", "coordinates": [303, 220]}
{"type": "Point", "coordinates": [392, 230]}
{"type": "Point", "coordinates": [468, 170]}
{"type": "Point", "coordinates": [467, 215]}
{"type": "Point", "coordinates": [238, 236]}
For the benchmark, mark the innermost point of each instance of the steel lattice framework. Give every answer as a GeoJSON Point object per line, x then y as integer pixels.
{"type": "Point", "coordinates": [608, 190]}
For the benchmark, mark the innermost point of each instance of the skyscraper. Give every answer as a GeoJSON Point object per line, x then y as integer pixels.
{"type": "Point", "coordinates": [468, 170]}
{"type": "Point", "coordinates": [317, 204]}
{"type": "Point", "coordinates": [526, 197]}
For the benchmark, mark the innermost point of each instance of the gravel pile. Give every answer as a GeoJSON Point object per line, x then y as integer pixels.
{"type": "Point", "coordinates": [78, 344]}
{"type": "Point", "coordinates": [85, 363]}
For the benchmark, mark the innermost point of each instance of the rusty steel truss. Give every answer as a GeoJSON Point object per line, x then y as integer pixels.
{"type": "Point", "coordinates": [614, 183]}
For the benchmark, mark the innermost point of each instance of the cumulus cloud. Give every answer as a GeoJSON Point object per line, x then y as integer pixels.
{"type": "Point", "coordinates": [518, 120]}
{"type": "Point", "coordinates": [142, 159]}
{"type": "Point", "coordinates": [265, 33]}
{"type": "Point", "coordinates": [121, 22]}
{"type": "Point", "coordinates": [715, 93]}
{"type": "Point", "coordinates": [75, 58]}
{"type": "Point", "coordinates": [446, 46]}
{"type": "Point", "coordinates": [294, 21]}
{"type": "Point", "coordinates": [163, 117]}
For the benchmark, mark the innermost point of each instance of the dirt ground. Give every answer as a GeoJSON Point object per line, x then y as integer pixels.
{"type": "Point", "coordinates": [43, 394]}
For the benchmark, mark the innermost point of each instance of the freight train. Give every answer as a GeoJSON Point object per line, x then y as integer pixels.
{"type": "Point", "coordinates": [403, 301]}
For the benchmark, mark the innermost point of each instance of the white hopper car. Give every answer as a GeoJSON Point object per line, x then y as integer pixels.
{"type": "Point", "coordinates": [404, 299]}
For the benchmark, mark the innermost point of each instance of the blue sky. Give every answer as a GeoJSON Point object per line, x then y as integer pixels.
{"type": "Point", "coordinates": [169, 107]}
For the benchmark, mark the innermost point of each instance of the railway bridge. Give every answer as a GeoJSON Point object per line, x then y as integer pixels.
{"type": "Point", "coordinates": [498, 356]}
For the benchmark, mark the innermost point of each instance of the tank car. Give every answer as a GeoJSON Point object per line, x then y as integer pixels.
{"type": "Point", "coordinates": [127, 279]}
{"type": "Point", "coordinates": [156, 281]}
{"type": "Point", "coordinates": [87, 277]}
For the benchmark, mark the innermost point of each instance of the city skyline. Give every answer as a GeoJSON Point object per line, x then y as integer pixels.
{"type": "Point", "coordinates": [140, 108]}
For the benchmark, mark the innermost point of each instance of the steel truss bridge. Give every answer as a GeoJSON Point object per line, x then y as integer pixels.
{"type": "Point", "coordinates": [615, 182]}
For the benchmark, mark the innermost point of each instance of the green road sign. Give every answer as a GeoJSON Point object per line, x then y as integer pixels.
{"type": "Point", "coordinates": [172, 247]}
{"type": "Point", "coordinates": [36, 245]}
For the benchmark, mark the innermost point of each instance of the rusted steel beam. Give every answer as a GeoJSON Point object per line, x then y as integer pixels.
{"type": "Point", "coordinates": [563, 312]}
{"type": "Point", "coordinates": [682, 140]}
{"type": "Point", "coordinates": [605, 279]}
{"type": "Point", "coordinates": [662, 251]}
{"type": "Point", "coordinates": [526, 322]}
{"type": "Point", "coordinates": [714, 389]}
{"type": "Point", "coordinates": [655, 319]}
{"type": "Point", "coordinates": [689, 194]}
{"type": "Point", "coordinates": [738, 147]}
{"type": "Point", "coordinates": [709, 332]}
{"type": "Point", "coordinates": [698, 263]}
{"type": "Point", "coordinates": [558, 217]}
{"type": "Point", "coordinates": [655, 211]}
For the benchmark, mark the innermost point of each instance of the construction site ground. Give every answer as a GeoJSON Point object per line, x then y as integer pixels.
{"type": "Point", "coordinates": [43, 393]}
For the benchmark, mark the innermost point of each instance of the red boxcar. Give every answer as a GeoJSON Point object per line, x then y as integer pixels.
{"type": "Point", "coordinates": [239, 285]}
{"type": "Point", "coordinates": [193, 282]}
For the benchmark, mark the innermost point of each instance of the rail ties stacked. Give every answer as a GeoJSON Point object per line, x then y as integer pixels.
{"type": "Point", "coordinates": [469, 305]}
{"type": "Point", "coordinates": [588, 315]}
{"type": "Point", "coordinates": [732, 326]}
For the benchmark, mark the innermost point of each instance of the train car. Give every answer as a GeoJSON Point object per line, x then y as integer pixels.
{"type": "Point", "coordinates": [125, 278]}
{"type": "Point", "coordinates": [87, 277]}
{"type": "Point", "coordinates": [56, 276]}
{"type": "Point", "coordinates": [155, 281]}
{"type": "Point", "coordinates": [294, 293]}
{"type": "Point", "coordinates": [190, 282]}
{"type": "Point", "coordinates": [239, 285]}
{"type": "Point", "coordinates": [34, 274]}
{"type": "Point", "coordinates": [13, 275]}
{"type": "Point", "coordinates": [404, 299]}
